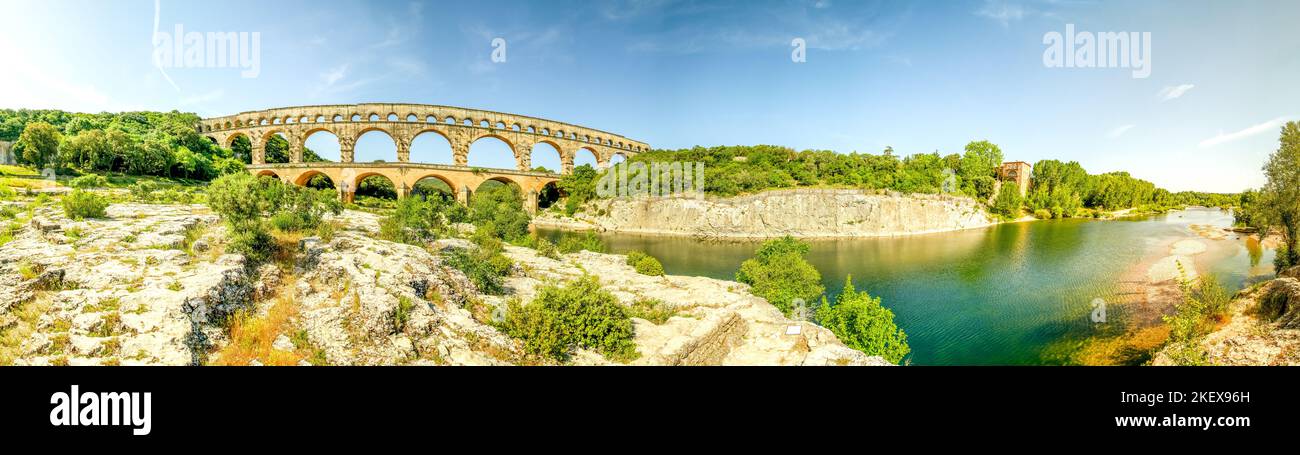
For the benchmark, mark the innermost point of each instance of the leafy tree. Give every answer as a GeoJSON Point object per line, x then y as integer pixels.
{"type": "Point", "coordinates": [579, 186]}
{"type": "Point", "coordinates": [862, 323]}
{"type": "Point", "coordinates": [1007, 204]}
{"type": "Point", "coordinates": [1281, 194]}
{"type": "Point", "coordinates": [38, 145]}
{"type": "Point", "coordinates": [779, 273]}
{"type": "Point", "coordinates": [502, 207]}
{"type": "Point", "coordinates": [980, 164]}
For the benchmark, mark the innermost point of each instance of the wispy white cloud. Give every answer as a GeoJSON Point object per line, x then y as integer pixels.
{"type": "Point", "coordinates": [1271, 125]}
{"type": "Point", "coordinates": [335, 80]}
{"type": "Point", "coordinates": [1002, 12]}
{"type": "Point", "coordinates": [1007, 12]}
{"type": "Point", "coordinates": [1174, 91]}
{"type": "Point", "coordinates": [403, 30]}
{"type": "Point", "coordinates": [1119, 131]}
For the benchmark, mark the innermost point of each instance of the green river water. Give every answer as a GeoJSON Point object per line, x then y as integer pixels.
{"type": "Point", "coordinates": [999, 295]}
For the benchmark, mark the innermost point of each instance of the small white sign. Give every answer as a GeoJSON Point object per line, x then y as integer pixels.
{"type": "Point", "coordinates": [793, 329]}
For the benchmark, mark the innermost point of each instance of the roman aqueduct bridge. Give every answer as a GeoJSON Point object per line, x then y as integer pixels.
{"type": "Point", "coordinates": [403, 123]}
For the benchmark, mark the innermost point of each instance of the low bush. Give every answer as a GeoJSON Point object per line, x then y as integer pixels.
{"type": "Point", "coordinates": [253, 241]}
{"type": "Point", "coordinates": [779, 273]}
{"type": "Point", "coordinates": [862, 323]}
{"type": "Point", "coordinates": [579, 314]}
{"type": "Point", "coordinates": [81, 204]}
{"type": "Point", "coordinates": [89, 181]}
{"type": "Point", "coordinates": [246, 202]}
{"type": "Point", "coordinates": [544, 247]}
{"type": "Point", "coordinates": [573, 243]}
{"type": "Point", "coordinates": [484, 264]}
{"type": "Point", "coordinates": [648, 265]}
{"type": "Point", "coordinates": [1205, 304]}
{"type": "Point", "coordinates": [417, 219]}
{"type": "Point", "coordinates": [653, 310]}
{"type": "Point", "coordinates": [634, 256]}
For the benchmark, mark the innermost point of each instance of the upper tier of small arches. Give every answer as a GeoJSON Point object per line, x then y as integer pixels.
{"type": "Point", "coordinates": [418, 113]}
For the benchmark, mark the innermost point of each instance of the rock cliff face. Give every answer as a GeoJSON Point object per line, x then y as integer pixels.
{"type": "Point", "coordinates": [801, 213]}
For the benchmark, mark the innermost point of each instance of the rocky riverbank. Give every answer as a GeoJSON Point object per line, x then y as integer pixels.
{"type": "Point", "coordinates": [1263, 326]}
{"type": "Point", "coordinates": [803, 213]}
{"type": "Point", "coordinates": [150, 284]}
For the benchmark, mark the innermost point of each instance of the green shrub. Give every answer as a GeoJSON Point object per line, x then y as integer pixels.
{"type": "Point", "coordinates": [484, 264]}
{"type": "Point", "coordinates": [1204, 303]}
{"type": "Point", "coordinates": [1044, 214]}
{"type": "Point", "coordinates": [862, 323]}
{"type": "Point", "coordinates": [653, 310]}
{"type": "Point", "coordinates": [573, 243]}
{"type": "Point", "coordinates": [418, 219]}
{"type": "Point", "coordinates": [579, 314]}
{"type": "Point", "coordinates": [648, 265]}
{"type": "Point", "coordinates": [144, 191]}
{"type": "Point", "coordinates": [779, 273]}
{"type": "Point", "coordinates": [544, 247]}
{"type": "Point", "coordinates": [89, 181]}
{"type": "Point", "coordinates": [243, 198]}
{"type": "Point", "coordinates": [635, 256]}
{"type": "Point", "coordinates": [402, 314]}
{"type": "Point", "coordinates": [253, 241]}
{"type": "Point", "coordinates": [503, 207]}
{"type": "Point", "coordinates": [7, 193]}
{"type": "Point", "coordinates": [81, 204]}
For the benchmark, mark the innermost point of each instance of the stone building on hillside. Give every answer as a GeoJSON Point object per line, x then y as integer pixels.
{"type": "Point", "coordinates": [1018, 172]}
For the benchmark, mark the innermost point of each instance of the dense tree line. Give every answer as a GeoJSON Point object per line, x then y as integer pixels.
{"type": "Point", "coordinates": [143, 143]}
{"type": "Point", "coordinates": [1057, 189]}
{"type": "Point", "coordinates": [732, 170]}
{"type": "Point", "coordinates": [1062, 189]}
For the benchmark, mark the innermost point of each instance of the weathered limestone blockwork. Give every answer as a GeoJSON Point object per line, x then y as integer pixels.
{"type": "Point", "coordinates": [404, 122]}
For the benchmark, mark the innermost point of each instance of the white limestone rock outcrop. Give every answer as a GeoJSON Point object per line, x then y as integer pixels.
{"type": "Point", "coordinates": [120, 290]}
{"type": "Point", "coordinates": [805, 213]}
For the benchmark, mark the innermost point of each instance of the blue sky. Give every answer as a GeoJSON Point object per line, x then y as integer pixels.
{"type": "Point", "coordinates": [918, 76]}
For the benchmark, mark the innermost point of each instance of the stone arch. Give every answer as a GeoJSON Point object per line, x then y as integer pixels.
{"type": "Point", "coordinates": [267, 173]}
{"type": "Point", "coordinates": [326, 145]}
{"type": "Point", "coordinates": [617, 157]}
{"type": "Point", "coordinates": [368, 149]}
{"type": "Point", "coordinates": [492, 155]}
{"type": "Point", "coordinates": [427, 146]}
{"type": "Point", "coordinates": [416, 185]}
{"type": "Point", "coordinates": [276, 135]}
{"type": "Point", "coordinates": [378, 178]}
{"type": "Point", "coordinates": [230, 140]}
{"type": "Point", "coordinates": [548, 195]}
{"type": "Point", "coordinates": [499, 180]}
{"type": "Point", "coordinates": [307, 176]}
{"type": "Point", "coordinates": [586, 155]}
{"type": "Point", "coordinates": [546, 154]}
{"type": "Point", "coordinates": [320, 181]}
